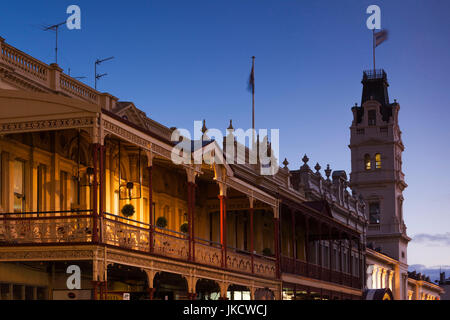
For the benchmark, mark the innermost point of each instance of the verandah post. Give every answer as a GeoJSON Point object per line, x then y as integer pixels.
{"type": "Point", "coordinates": [95, 195]}
{"type": "Point", "coordinates": [193, 186]}
{"type": "Point", "coordinates": [223, 229]}
{"type": "Point", "coordinates": [150, 208]}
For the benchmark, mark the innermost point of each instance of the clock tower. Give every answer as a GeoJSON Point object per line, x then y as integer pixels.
{"type": "Point", "coordinates": [376, 154]}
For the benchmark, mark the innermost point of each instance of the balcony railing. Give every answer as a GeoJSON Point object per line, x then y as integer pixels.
{"type": "Point", "coordinates": [24, 63]}
{"type": "Point", "coordinates": [374, 74]}
{"type": "Point", "coordinates": [82, 226]}
{"type": "Point", "coordinates": [46, 75]}
{"type": "Point", "coordinates": [171, 243]}
{"type": "Point", "coordinates": [125, 233]}
{"type": "Point", "coordinates": [46, 227]}
{"type": "Point", "coordinates": [310, 270]}
{"type": "Point", "coordinates": [79, 89]}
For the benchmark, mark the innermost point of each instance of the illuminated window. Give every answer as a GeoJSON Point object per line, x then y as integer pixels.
{"type": "Point", "coordinates": [116, 203]}
{"type": "Point", "coordinates": [74, 195]}
{"type": "Point", "coordinates": [378, 161]}
{"type": "Point", "coordinates": [367, 162]}
{"type": "Point", "coordinates": [41, 187]}
{"type": "Point", "coordinates": [63, 190]}
{"type": "Point", "coordinates": [19, 188]}
{"type": "Point", "coordinates": [374, 213]}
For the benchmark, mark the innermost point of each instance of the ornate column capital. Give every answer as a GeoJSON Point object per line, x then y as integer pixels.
{"type": "Point", "coordinates": [222, 189]}
{"type": "Point", "coordinates": [251, 200]}
{"type": "Point", "coordinates": [192, 173]}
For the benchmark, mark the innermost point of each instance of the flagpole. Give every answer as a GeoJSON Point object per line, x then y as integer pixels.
{"type": "Point", "coordinates": [253, 101]}
{"type": "Point", "coordinates": [253, 96]}
{"type": "Point", "coordinates": [373, 44]}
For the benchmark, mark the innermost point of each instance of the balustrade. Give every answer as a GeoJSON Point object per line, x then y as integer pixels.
{"type": "Point", "coordinates": [65, 227]}
{"type": "Point", "coordinates": [208, 253]}
{"type": "Point", "coordinates": [40, 72]}
{"type": "Point", "coordinates": [171, 245]}
{"type": "Point", "coordinates": [302, 268]}
{"type": "Point", "coordinates": [24, 63]}
{"type": "Point", "coordinates": [119, 232]}
{"type": "Point", "coordinates": [74, 87]}
{"type": "Point", "coordinates": [55, 227]}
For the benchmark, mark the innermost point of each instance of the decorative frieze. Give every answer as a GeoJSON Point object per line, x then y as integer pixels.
{"type": "Point", "coordinates": [40, 125]}
{"type": "Point", "coordinates": [121, 132]}
{"type": "Point", "coordinates": [49, 254]}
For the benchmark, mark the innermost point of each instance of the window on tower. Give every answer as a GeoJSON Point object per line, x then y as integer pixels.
{"type": "Point", "coordinates": [374, 213]}
{"type": "Point", "coordinates": [372, 115]}
{"type": "Point", "coordinates": [378, 161]}
{"type": "Point", "coordinates": [367, 162]}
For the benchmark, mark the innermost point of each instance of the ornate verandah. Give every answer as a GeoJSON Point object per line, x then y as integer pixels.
{"type": "Point", "coordinates": [54, 223]}
{"type": "Point", "coordinates": [315, 246]}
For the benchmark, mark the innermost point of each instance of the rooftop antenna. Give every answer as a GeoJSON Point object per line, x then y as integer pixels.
{"type": "Point", "coordinates": [78, 78]}
{"type": "Point", "coordinates": [55, 28]}
{"type": "Point", "coordinates": [98, 76]}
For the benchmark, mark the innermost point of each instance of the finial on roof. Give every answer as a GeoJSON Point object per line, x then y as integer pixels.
{"type": "Point", "coordinates": [204, 129]}
{"type": "Point", "coordinates": [328, 172]}
{"type": "Point", "coordinates": [317, 167]}
{"type": "Point", "coordinates": [230, 127]}
{"type": "Point", "coordinates": [305, 159]}
{"type": "Point", "coordinates": [285, 163]}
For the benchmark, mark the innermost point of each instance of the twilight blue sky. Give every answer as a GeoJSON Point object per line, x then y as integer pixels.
{"type": "Point", "coordinates": [181, 61]}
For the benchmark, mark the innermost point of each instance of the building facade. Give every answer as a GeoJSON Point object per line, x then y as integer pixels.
{"type": "Point", "coordinates": [420, 287]}
{"type": "Point", "coordinates": [376, 152]}
{"type": "Point", "coordinates": [88, 182]}
{"type": "Point", "coordinates": [444, 283]}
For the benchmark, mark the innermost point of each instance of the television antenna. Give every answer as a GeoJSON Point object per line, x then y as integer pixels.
{"type": "Point", "coordinates": [78, 78]}
{"type": "Point", "coordinates": [99, 76]}
{"type": "Point", "coordinates": [55, 28]}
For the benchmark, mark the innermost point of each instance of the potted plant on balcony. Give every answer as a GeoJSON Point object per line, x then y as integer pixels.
{"type": "Point", "coordinates": [184, 227]}
{"type": "Point", "coordinates": [161, 222]}
{"type": "Point", "coordinates": [128, 210]}
{"type": "Point", "coordinates": [267, 252]}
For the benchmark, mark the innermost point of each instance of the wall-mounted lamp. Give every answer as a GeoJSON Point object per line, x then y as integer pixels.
{"type": "Point", "coordinates": [90, 175]}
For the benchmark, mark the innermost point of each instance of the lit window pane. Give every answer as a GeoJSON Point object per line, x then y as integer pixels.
{"type": "Point", "coordinates": [367, 163]}
{"type": "Point", "coordinates": [378, 161]}
{"type": "Point", "coordinates": [18, 177]}
{"type": "Point", "coordinates": [18, 188]}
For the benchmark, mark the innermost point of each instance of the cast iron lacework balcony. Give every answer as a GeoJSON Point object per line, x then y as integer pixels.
{"type": "Point", "coordinates": [46, 227]}
{"type": "Point", "coordinates": [311, 270]}
{"type": "Point", "coordinates": [79, 227]}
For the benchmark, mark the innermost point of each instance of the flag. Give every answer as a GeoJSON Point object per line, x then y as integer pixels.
{"type": "Point", "coordinates": [251, 80]}
{"type": "Point", "coordinates": [380, 37]}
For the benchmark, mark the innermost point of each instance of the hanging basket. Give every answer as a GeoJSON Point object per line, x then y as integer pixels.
{"type": "Point", "coordinates": [128, 210]}
{"type": "Point", "coordinates": [161, 222]}
{"type": "Point", "coordinates": [267, 252]}
{"type": "Point", "coordinates": [184, 227]}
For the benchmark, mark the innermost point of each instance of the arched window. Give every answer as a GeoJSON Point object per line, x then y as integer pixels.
{"type": "Point", "coordinates": [378, 161]}
{"type": "Point", "coordinates": [367, 162]}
